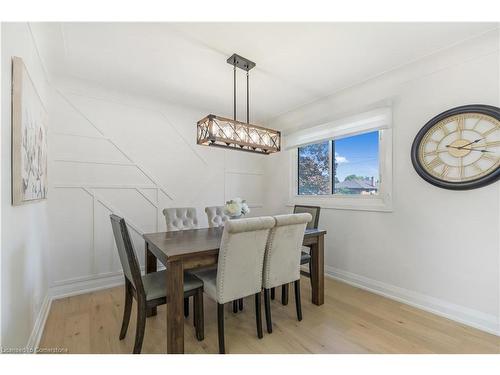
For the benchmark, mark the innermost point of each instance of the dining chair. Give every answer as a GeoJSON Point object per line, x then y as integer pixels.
{"type": "Point", "coordinates": [239, 270]}
{"type": "Point", "coordinates": [149, 290]}
{"type": "Point", "coordinates": [282, 259]}
{"type": "Point", "coordinates": [216, 216]}
{"type": "Point", "coordinates": [180, 218]}
{"type": "Point", "coordinates": [305, 255]}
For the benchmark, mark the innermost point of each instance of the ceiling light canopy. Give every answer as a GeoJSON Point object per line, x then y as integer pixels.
{"type": "Point", "coordinates": [219, 131]}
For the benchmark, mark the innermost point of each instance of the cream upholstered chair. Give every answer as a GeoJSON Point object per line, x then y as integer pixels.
{"type": "Point", "coordinates": [149, 290]}
{"type": "Point", "coordinates": [180, 218]}
{"type": "Point", "coordinates": [282, 258]}
{"type": "Point", "coordinates": [216, 216]}
{"type": "Point", "coordinates": [305, 256]}
{"type": "Point", "coordinates": [239, 270]}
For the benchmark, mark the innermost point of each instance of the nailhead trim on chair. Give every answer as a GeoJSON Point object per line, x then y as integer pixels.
{"type": "Point", "coordinates": [222, 266]}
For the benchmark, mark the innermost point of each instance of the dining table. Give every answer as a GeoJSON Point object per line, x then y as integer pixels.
{"type": "Point", "coordinates": [196, 248]}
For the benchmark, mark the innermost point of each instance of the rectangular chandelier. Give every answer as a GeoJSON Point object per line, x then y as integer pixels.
{"type": "Point", "coordinates": [219, 131]}
{"type": "Point", "coordinates": [223, 132]}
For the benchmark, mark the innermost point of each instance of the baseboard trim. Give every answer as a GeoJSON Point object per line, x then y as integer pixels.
{"type": "Point", "coordinates": [85, 286]}
{"type": "Point", "coordinates": [37, 332]}
{"type": "Point", "coordinates": [473, 318]}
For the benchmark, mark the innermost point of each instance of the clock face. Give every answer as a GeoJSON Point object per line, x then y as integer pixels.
{"type": "Point", "coordinates": [460, 149]}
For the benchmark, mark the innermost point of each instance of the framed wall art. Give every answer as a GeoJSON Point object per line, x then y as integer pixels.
{"type": "Point", "coordinates": [29, 138]}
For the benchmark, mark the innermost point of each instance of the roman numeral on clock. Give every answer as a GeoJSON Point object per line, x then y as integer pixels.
{"type": "Point", "coordinates": [488, 132]}
{"type": "Point", "coordinates": [445, 170]}
{"type": "Point", "coordinates": [493, 144]}
{"type": "Point", "coordinates": [435, 163]}
{"type": "Point", "coordinates": [460, 124]}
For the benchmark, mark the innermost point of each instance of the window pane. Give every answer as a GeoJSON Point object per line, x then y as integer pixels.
{"type": "Point", "coordinates": [357, 164]}
{"type": "Point", "coordinates": [314, 169]}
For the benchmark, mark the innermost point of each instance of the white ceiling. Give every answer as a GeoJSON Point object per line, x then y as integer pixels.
{"type": "Point", "coordinates": [185, 63]}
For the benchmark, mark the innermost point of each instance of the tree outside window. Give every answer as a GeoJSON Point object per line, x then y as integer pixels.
{"type": "Point", "coordinates": [352, 161]}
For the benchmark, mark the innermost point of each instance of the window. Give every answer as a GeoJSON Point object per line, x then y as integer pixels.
{"type": "Point", "coordinates": [343, 164]}
{"type": "Point", "coordinates": [353, 161]}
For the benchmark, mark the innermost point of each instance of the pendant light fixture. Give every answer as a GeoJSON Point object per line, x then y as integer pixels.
{"type": "Point", "coordinates": [223, 132]}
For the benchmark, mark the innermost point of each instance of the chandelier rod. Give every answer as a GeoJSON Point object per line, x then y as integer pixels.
{"type": "Point", "coordinates": [234, 91]}
{"type": "Point", "coordinates": [248, 115]}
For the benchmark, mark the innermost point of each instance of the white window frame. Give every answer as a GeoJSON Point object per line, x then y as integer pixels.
{"type": "Point", "coordinates": [380, 202]}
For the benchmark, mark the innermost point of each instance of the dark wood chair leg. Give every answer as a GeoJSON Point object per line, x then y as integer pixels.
{"type": "Point", "coordinates": [186, 307]}
{"type": "Point", "coordinates": [273, 293]}
{"type": "Point", "coordinates": [220, 326]}
{"type": "Point", "coordinates": [199, 315]}
{"type": "Point", "coordinates": [127, 308]}
{"type": "Point", "coordinates": [258, 315]}
{"type": "Point", "coordinates": [284, 294]}
{"type": "Point", "coordinates": [240, 304]}
{"type": "Point", "coordinates": [194, 311]}
{"type": "Point", "coordinates": [310, 273]}
{"type": "Point", "coordinates": [267, 308]}
{"type": "Point", "coordinates": [235, 306]}
{"type": "Point", "coordinates": [141, 326]}
{"type": "Point", "coordinates": [298, 304]}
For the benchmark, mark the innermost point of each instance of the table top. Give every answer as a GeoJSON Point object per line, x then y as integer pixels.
{"type": "Point", "coordinates": [174, 245]}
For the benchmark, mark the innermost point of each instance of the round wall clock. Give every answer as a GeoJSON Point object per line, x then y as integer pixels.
{"type": "Point", "coordinates": [459, 149]}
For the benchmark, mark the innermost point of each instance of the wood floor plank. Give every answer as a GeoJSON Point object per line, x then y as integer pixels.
{"type": "Point", "coordinates": [351, 321]}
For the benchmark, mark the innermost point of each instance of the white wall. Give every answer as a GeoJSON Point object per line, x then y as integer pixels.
{"type": "Point", "coordinates": [438, 249]}
{"type": "Point", "coordinates": [24, 242]}
{"type": "Point", "coordinates": [134, 156]}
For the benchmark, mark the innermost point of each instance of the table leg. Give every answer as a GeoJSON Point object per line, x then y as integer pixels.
{"type": "Point", "coordinates": [318, 271]}
{"type": "Point", "coordinates": [175, 308]}
{"type": "Point", "coordinates": [151, 266]}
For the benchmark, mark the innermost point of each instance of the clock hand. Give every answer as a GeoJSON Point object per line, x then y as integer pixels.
{"type": "Point", "coordinates": [477, 140]}
{"type": "Point", "coordinates": [470, 149]}
{"type": "Point", "coordinates": [468, 144]}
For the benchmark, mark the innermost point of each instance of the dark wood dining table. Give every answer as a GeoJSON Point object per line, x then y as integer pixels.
{"type": "Point", "coordinates": [189, 249]}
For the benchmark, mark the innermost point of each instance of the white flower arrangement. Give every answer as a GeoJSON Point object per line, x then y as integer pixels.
{"type": "Point", "coordinates": [236, 207]}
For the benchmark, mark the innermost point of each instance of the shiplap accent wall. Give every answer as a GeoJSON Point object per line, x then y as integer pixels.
{"type": "Point", "coordinates": [134, 158]}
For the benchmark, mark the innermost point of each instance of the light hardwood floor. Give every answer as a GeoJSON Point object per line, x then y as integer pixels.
{"type": "Point", "coordinates": [351, 321]}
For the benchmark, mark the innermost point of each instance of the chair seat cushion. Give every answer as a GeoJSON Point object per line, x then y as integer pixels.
{"type": "Point", "coordinates": [155, 284]}
{"type": "Point", "coordinates": [305, 257]}
{"type": "Point", "coordinates": [209, 278]}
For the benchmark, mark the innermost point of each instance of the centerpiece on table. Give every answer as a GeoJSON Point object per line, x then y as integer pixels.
{"type": "Point", "coordinates": [236, 208]}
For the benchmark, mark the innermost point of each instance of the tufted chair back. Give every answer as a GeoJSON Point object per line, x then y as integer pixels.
{"type": "Point", "coordinates": [241, 257]}
{"type": "Point", "coordinates": [282, 258]}
{"type": "Point", "coordinates": [216, 216]}
{"type": "Point", "coordinates": [180, 218]}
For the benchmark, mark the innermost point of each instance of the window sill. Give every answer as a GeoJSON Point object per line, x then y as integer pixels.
{"type": "Point", "coordinates": [360, 203]}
